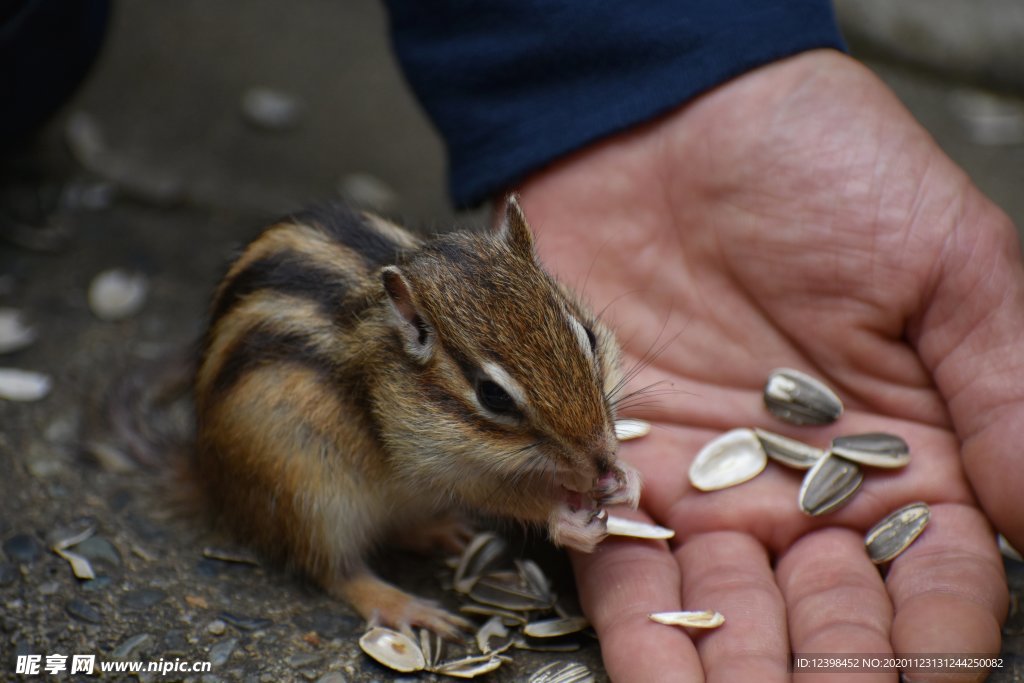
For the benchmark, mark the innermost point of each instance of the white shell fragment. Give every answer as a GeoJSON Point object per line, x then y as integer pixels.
{"type": "Point", "coordinates": [697, 619]}
{"type": "Point", "coordinates": [728, 460]}
{"type": "Point", "coordinates": [79, 565]}
{"type": "Point", "coordinates": [619, 526]}
{"type": "Point", "coordinates": [492, 628]}
{"type": "Point", "coordinates": [894, 534]}
{"type": "Point", "coordinates": [789, 452]}
{"type": "Point", "coordinates": [874, 449]}
{"type": "Point", "coordinates": [15, 334]}
{"type": "Point", "coordinates": [626, 430]}
{"type": "Point", "coordinates": [366, 190]}
{"type": "Point", "coordinates": [555, 628]}
{"type": "Point", "coordinates": [393, 649]}
{"type": "Point", "coordinates": [561, 672]}
{"type": "Point", "coordinates": [270, 109]}
{"type": "Point", "coordinates": [23, 385]}
{"type": "Point", "coordinates": [117, 294]}
{"type": "Point", "coordinates": [829, 484]}
{"type": "Point", "coordinates": [507, 597]}
{"type": "Point", "coordinates": [798, 398]}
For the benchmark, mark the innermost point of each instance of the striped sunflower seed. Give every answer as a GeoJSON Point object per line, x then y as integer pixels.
{"type": "Point", "coordinates": [874, 449]}
{"type": "Point", "coordinates": [631, 429]}
{"type": "Point", "coordinates": [699, 619]}
{"type": "Point", "coordinates": [789, 452]}
{"type": "Point", "coordinates": [829, 484]}
{"type": "Point", "coordinates": [896, 532]}
{"type": "Point", "coordinates": [798, 398]}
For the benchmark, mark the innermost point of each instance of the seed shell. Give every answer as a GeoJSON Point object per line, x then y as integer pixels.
{"type": "Point", "coordinates": [800, 399]}
{"type": "Point", "coordinates": [829, 484]}
{"type": "Point", "coordinates": [469, 667]}
{"type": "Point", "coordinates": [789, 452]}
{"type": "Point", "coordinates": [492, 628]}
{"type": "Point", "coordinates": [507, 597]}
{"type": "Point", "coordinates": [626, 430]}
{"type": "Point", "coordinates": [728, 460]}
{"type": "Point", "coordinates": [874, 449]}
{"type": "Point", "coordinates": [15, 334]}
{"type": "Point", "coordinates": [23, 385]}
{"type": "Point", "coordinates": [896, 532]}
{"type": "Point", "coordinates": [1008, 550]}
{"type": "Point", "coordinates": [620, 526]}
{"type": "Point", "coordinates": [117, 294]}
{"type": "Point", "coordinates": [555, 628]}
{"type": "Point", "coordinates": [393, 649]}
{"type": "Point", "coordinates": [481, 553]}
{"type": "Point", "coordinates": [696, 619]}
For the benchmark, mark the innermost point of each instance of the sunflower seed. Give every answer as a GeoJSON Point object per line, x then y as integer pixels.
{"type": "Point", "coordinates": [520, 642]}
{"type": "Point", "coordinates": [800, 399]}
{"type": "Point", "coordinates": [532, 575]}
{"type": "Point", "coordinates": [728, 460]}
{"type": "Point", "coordinates": [701, 619]}
{"type": "Point", "coordinates": [507, 597]}
{"type": "Point", "coordinates": [561, 672]}
{"type": "Point", "coordinates": [789, 452]}
{"type": "Point", "coordinates": [631, 429]}
{"type": "Point", "coordinates": [507, 617]}
{"type": "Point", "coordinates": [874, 449]}
{"type": "Point", "coordinates": [431, 644]}
{"type": "Point", "coordinates": [235, 556]}
{"type": "Point", "coordinates": [117, 294]}
{"type": "Point", "coordinates": [555, 628]}
{"type": "Point", "coordinates": [393, 649]}
{"type": "Point", "coordinates": [14, 333]}
{"type": "Point", "coordinates": [829, 484]}
{"type": "Point", "coordinates": [480, 554]}
{"type": "Point", "coordinates": [896, 532]}
{"type": "Point", "coordinates": [23, 385]}
{"type": "Point", "coordinates": [469, 667]}
{"type": "Point", "coordinates": [620, 526]}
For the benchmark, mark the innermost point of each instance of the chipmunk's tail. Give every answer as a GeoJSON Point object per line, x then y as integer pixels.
{"type": "Point", "coordinates": [148, 423]}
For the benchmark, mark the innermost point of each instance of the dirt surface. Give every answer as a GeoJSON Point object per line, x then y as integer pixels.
{"type": "Point", "coordinates": [197, 181]}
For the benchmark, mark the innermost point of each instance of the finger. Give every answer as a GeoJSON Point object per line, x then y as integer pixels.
{"type": "Point", "coordinates": [970, 338]}
{"type": "Point", "coordinates": [836, 602]}
{"type": "Point", "coordinates": [619, 585]}
{"type": "Point", "coordinates": [949, 590]}
{"type": "Point", "coordinates": [729, 572]}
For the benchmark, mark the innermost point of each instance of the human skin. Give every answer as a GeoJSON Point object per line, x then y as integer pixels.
{"type": "Point", "coordinates": [798, 216]}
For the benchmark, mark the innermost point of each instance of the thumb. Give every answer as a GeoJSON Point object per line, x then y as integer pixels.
{"type": "Point", "coordinates": [972, 340]}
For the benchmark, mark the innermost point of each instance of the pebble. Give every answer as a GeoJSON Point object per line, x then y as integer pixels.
{"type": "Point", "coordinates": [245, 623]}
{"type": "Point", "coordinates": [328, 624]}
{"type": "Point", "coordinates": [130, 646]}
{"type": "Point", "coordinates": [332, 677]}
{"type": "Point", "coordinates": [99, 550]}
{"type": "Point", "coordinates": [15, 334]}
{"type": "Point", "coordinates": [142, 598]}
{"type": "Point", "coordinates": [175, 643]}
{"type": "Point", "coordinates": [97, 584]}
{"type": "Point", "coordinates": [23, 548]}
{"type": "Point", "coordinates": [365, 190]}
{"type": "Point", "coordinates": [83, 611]}
{"type": "Point", "coordinates": [49, 587]}
{"type": "Point", "coordinates": [216, 627]}
{"type": "Point", "coordinates": [42, 461]}
{"type": "Point", "coordinates": [221, 652]}
{"type": "Point", "coordinates": [8, 574]}
{"type": "Point", "coordinates": [302, 659]}
{"type": "Point", "coordinates": [24, 385]}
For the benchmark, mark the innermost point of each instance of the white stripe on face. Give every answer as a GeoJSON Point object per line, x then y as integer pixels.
{"type": "Point", "coordinates": [498, 375]}
{"type": "Point", "coordinates": [581, 335]}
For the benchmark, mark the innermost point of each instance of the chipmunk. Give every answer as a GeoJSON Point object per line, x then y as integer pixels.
{"type": "Point", "coordinates": [359, 386]}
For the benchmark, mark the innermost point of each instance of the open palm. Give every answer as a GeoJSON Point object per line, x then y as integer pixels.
{"type": "Point", "coordinates": [799, 217]}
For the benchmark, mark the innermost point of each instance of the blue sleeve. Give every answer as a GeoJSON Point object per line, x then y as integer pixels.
{"type": "Point", "coordinates": [514, 84]}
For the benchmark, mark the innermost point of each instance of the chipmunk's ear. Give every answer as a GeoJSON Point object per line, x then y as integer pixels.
{"type": "Point", "coordinates": [418, 335]}
{"type": "Point", "coordinates": [514, 229]}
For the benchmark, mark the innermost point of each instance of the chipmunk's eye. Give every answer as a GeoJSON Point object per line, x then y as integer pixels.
{"type": "Point", "coordinates": [494, 398]}
{"type": "Point", "coordinates": [591, 338]}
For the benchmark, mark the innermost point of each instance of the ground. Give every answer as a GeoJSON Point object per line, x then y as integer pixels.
{"type": "Point", "coordinates": [199, 180]}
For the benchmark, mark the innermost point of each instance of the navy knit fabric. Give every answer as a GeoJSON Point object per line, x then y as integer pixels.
{"type": "Point", "coordinates": [514, 84]}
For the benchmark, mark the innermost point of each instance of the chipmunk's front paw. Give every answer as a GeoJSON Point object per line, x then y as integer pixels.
{"type": "Point", "coordinates": [579, 528]}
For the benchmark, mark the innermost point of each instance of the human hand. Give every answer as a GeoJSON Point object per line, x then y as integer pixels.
{"type": "Point", "coordinates": [798, 216]}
